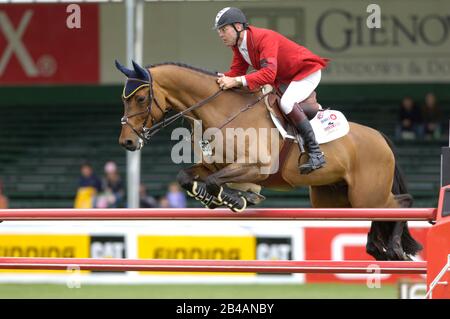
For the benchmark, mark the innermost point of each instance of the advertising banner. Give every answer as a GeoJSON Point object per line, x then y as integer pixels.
{"type": "Point", "coordinates": [49, 44]}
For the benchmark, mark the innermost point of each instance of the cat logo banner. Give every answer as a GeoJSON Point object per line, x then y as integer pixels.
{"type": "Point", "coordinates": [274, 248]}
{"type": "Point", "coordinates": [197, 247]}
{"type": "Point", "coordinates": [108, 247]}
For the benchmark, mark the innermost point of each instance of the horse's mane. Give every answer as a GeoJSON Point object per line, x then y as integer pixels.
{"type": "Point", "coordinates": [184, 65]}
{"type": "Point", "coordinates": [203, 71]}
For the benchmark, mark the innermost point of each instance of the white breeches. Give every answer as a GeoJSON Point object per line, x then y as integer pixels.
{"type": "Point", "coordinates": [298, 91]}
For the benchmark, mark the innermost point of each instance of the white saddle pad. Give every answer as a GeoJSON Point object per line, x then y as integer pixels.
{"type": "Point", "coordinates": [328, 125]}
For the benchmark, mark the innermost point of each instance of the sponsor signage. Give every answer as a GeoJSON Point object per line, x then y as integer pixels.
{"type": "Point", "coordinates": [412, 290]}
{"type": "Point", "coordinates": [44, 246]}
{"type": "Point", "coordinates": [49, 44]}
{"type": "Point", "coordinates": [197, 247]}
{"type": "Point", "coordinates": [274, 248]}
{"type": "Point", "coordinates": [107, 247]}
{"type": "Point", "coordinates": [326, 243]}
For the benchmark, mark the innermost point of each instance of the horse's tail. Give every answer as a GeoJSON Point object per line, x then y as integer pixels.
{"type": "Point", "coordinates": [399, 187]}
{"type": "Point", "coordinates": [399, 184]}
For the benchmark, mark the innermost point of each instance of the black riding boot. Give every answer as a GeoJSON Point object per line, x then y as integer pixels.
{"type": "Point", "coordinates": [301, 122]}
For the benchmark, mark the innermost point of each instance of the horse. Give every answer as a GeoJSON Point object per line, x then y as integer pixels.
{"type": "Point", "coordinates": [360, 172]}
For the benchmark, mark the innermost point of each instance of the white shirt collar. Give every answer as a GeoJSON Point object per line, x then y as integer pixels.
{"type": "Point", "coordinates": [243, 48]}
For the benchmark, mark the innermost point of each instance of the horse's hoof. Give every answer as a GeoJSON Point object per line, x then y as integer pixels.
{"type": "Point", "coordinates": [408, 257]}
{"type": "Point", "coordinates": [253, 198]}
{"type": "Point", "coordinates": [376, 254]}
{"type": "Point", "coordinates": [396, 254]}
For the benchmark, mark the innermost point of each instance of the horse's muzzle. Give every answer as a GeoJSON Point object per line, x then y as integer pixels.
{"type": "Point", "coordinates": [132, 145]}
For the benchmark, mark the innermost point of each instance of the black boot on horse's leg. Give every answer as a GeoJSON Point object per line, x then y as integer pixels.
{"type": "Point", "coordinates": [301, 123]}
{"type": "Point", "coordinates": [197, 190]}
{"type": "Point", "coordinates": [225, 196]}
{"type": "Point", "coordinates": [237, 203]}
{"type": "Point", "coordinates": [200, 193]}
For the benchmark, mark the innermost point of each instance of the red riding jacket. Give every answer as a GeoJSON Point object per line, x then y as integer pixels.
{"type": "Point", "coordinates": [277, 59]}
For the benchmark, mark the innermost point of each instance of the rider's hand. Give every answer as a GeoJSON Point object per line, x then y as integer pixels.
{"type": "Point", "coordinates": [226, 82]}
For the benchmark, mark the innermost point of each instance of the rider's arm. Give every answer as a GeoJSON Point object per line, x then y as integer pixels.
{"type": "Point", "coordinates": [269, 55]}
{"type": "Point", "coordinates": [238, 66]}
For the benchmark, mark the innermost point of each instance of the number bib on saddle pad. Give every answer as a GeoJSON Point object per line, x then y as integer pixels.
{"type": "Point", "coordinates": [328, 125]}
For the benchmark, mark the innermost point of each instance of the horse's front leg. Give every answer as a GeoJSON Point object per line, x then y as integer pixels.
{"type": "Point", "coordinates": [186, 177]}
{"type": "Point", "coordinates": [233, 173]}
{"type": "Point", "coordinates": [192, 180]}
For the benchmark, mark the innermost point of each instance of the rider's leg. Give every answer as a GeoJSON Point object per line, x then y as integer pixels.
{"type": "Point", "coordinates": [298, 91]}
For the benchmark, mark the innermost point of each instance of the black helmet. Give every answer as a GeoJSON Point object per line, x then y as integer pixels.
{"type": "Point", "coordinates": [229, 15]}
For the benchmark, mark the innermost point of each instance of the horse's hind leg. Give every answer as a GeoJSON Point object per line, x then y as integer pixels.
{"type": "Point", "coordinates": [375, 246]}
{"type": "Point", "coordinates": [336, 196]}
{"type": "Point", "coordinates": [384, 238]}
{"type": "Point", "coordinates": [394, 247]}
{"type": "Point", "coordinates": [329, 196]}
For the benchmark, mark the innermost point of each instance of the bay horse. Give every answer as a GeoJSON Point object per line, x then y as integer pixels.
{"type": "Point", "coordinates": [360, 171]}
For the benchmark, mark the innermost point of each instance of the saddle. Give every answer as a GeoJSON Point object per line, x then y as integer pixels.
{"type": "Point", "coordinates": [309, 105]}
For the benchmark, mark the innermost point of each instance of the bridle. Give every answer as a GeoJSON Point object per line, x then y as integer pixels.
{"type": "Point", "coordinates": [145, 130]}
{"type": "Point", "coordinates": [148, 132]}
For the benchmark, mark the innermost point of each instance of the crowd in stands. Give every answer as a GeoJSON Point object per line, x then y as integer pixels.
{"type": "Point", "coordinates": [420, 121]}
{"type": "Point", "coordinates": [109, 191]}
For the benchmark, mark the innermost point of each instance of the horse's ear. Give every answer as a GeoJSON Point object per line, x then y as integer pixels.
{"type": "Point", "coordinates": [140, 72]}
{"type": "Point", "coordinates": [129, 73]}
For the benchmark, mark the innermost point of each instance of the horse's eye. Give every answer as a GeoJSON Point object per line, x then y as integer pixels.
{"type": "Point", "coordinates": [140, 99]}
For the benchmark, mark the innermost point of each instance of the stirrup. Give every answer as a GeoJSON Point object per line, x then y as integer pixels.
{"type": "Point", "coordinates": [315, 162]}
{"type": "Point", "coordinates": [235, 203]}
{"type": "Point", "coordinates": [201, 194]}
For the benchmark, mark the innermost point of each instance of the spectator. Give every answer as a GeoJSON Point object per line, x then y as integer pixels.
{"type": "Point", "coordinates": [175, 196]}
{"type": "Point", "coordinates": [3, 198]}
{"type": "Point", "coordinates": [164, 202]}
{"type": "Point", "coordinates": [431, 114]}
{"type": "Point", "coordinates": [113, 190]}
{"type": "Point", "coordinates": [89, 186]}
{"type": "Point", "coordinates": [410, 125]}
{"type": "Point", "coordinates": [146, 201]}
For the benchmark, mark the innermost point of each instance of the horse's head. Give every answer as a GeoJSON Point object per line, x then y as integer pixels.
{"type": "Point", "coordinates": [139, 99]}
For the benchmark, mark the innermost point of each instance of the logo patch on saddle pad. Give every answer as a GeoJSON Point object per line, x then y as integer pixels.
{"type": "Point", "coordinates": [328, 125]}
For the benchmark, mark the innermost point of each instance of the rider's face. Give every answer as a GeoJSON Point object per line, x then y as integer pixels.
{"type": "Point", "coordinates": [228, 35]}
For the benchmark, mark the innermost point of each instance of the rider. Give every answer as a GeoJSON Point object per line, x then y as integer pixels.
{"type": "Point", "coordinates": [277, 60]}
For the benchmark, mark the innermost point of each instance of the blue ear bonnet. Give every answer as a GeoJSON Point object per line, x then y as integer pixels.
{"type": "Point", "coordinates": [137, 78]}
{"type": "Point", "coordinates": [132, 86]}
